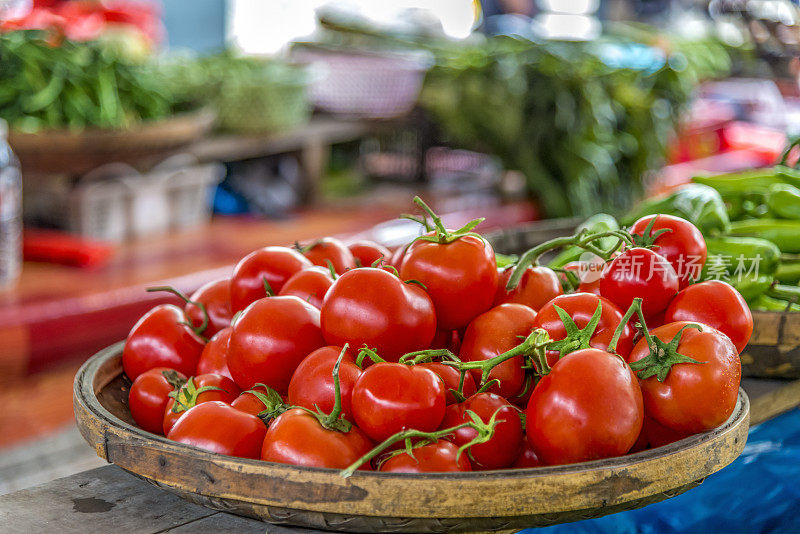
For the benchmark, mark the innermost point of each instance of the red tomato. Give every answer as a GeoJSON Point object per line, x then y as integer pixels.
{"type": "Point", "coordinates": [694, 397]}
{"type": "Point", "coordinates": [216, 297]}
{"type": "Point", "coordinates": [249, 403]}
{"type": "Point", "coordinates": [192, 393]}
{"type": "Point", "coordinates": [716, 304]}
{"type": "Point", "coordinates": [398, 255]}
{"type": "Point", "coordinates": [460, 277]}
{"type": "Point", "coordinates": [445, 339]}
{"type": "Point", "coordinates": [589, 281]}
{"type": "Point", "coordinates": [330, 249]}
{"type": "Point", "coordinates": [537, 286]}
{"type": "Point", "coordinates": [451, 378]}
{"type": "Point", "coordinates": [527, 457]}
{"type": "Point", "coordinates": [493, 333]}
{"type": "Point", "coordinates": [297, 437]}
{"type": "Point", "coordinates": [270, 339]}
{"type": "Point", "coordinates": [684, 246]}
{"type": "Point", "coordinates": [149, 395]}
{"type": "Point", "coordinates": [368, 252]}
{"type": "Point", "coordinates": [390, 397]}
{"type": "Point", "coordinates": [658, 435]}
{"type": "Point", "coordinates": [588, 407]}
{"type": "Point", "coordinates": [580, 307]}
{"type": "Point", "coordinates": [312, 381]}
{"type": "Point", "coordinates": [214, 359]}
{"type": "Point", "coordinates": [639, 272]}
{"type": "Point", "coordinates": [161, 339]}
{"type": "Point", "coordinates": [373, 307]}
{"type": "Point", "coordinates": [218, 427]}
{"type": "Point", "coordinates": [310, 285]}
{"type": "Point", "coordinates": [439, 457]}
{"type": "Point", "coordinates": [505, 444]}
{"type": "Point", "coordinates": [275, 264]}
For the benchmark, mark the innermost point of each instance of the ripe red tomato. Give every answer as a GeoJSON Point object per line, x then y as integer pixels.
{"type": "Point", "coordinates": [214, 358]}
{"type": "Point", "coordinates": [460, 277]}
{"type": "Point", "coordinates": [588, 407]}
{"type": "Point", "coordinates": [368, 252]}
{"type": "Point", "coordinates": [445, 339]}
{"type": "Point", "coordinates": [537, 286]}
{"type": "Point", "coordinates": [312, 382]}
{"type": "Point", "coordinates": [493, 333]}
{"type": "Point", "coordinates": [298, 438]}
{"type": "Point", "coordinates": [390, 397]}
{"type": "Point", "coordinates": [684, 246]}
{"type": "Point", "coordinates": [330, 249]}
{"type": "Point", "coordinates": [310, 285]}
{"type": "Point", "coordinates": [450, 378]}
{"type": "Point", "coordinates": [161, 339]}
{"type": "Point", "coordinates": [275, 264]}
{"type": "Point", "coordinates": [716, 304]}
{"type": "Point", "coordinates": [589, 280]}
{"type": "Point", "coordinates": [218, 427]}
{"type": "Point", "coordinates": [192, 393]}
{"type": "Point", "coordinates": [580, 307]}
{"type": "Point", "coordinates": [639, 272]}
{"type": "Point", "coordinates": [270, 339]}
{"type": "Point", "coordinates": [657, 435]}
{"type": "Point", "coordinates": [694, 397]}
{"type": "Point", "coordinates": [527, 457]}
{"type": "Point", "coordinates": [149, 395]}
{"type": "Point", "coordinates": [216, 297]}
{"type": "Point", "coordinates": [505, 444]}
{"type": "Point", "coordinates": [249, 403]}
{"type": "Point", "coordinates": [373, 307]}
{"type": "Point", "coordinates": [438, 457]}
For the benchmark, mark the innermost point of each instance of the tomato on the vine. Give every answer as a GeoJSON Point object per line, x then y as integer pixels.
{"type": "Point", "coordinates": [268, 266]}
{"type": "Point", "coordinates": [451, 378]}
{"type": "Point", "coordinates": [312, 384]}
{"type": "Point", "coordinates": [438, 457]}
{"type": "Point", "coordinates": [368, 252]}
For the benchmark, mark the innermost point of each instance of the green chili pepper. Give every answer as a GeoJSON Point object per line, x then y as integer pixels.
{"type": "Point", "coordinates": [752, 287]}
{"type": "Point", "coordinates": [602, 222]}
{"type": "Point", "coordinates": [700, 204]}
{"type": "Point", "coordinates": [745, 250]}
{"type": "Point", "coordinates": [735, 183]}
{"type": "Point", "coordinates": [785, 234]}
{"type": "Point", "coordinates": [788, 272]}
{"type": "Point", "coordinates": [767, 303]}
{"type": "Point", "coordinates": [785, 292]}
{"type": "Point", "coordinates": [784, 201]}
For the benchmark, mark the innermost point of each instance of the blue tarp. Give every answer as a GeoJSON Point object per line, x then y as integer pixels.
{"type": "Point", "coordinates": [757, 493]}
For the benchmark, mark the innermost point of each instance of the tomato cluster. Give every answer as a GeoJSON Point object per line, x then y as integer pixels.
{"type": "Point", "coordinates": [431, 358]}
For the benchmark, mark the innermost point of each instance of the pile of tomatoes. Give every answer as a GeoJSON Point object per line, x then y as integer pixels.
{"type": "Point", "coordinates": [431, 358]}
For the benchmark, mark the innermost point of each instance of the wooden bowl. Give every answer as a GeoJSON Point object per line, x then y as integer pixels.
{"type": "Point", "coordinates": [774, 348]}
{"type": "Point", "coordinates": [386, 502]}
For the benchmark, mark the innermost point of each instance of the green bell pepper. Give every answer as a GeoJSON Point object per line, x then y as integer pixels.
{"type": "Point", "coordinates": [700, 204]}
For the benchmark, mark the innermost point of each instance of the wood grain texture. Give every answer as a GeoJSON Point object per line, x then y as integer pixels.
{"type": "Point", "coordinates": [774, 348]}
{"type": "Point", "coordinates": [379, 502]}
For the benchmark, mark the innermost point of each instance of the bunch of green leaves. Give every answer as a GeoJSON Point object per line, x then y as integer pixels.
{"type": "Point", "coordinates": [583, 132]}
{"type": "Point", "coordinates": [76, 85]}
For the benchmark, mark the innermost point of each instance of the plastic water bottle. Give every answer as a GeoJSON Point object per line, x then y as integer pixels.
{"type": "Point", "coordinates": [10, 212]}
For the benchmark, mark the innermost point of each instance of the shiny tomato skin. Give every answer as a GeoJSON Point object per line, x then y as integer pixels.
{"type": "Point", "coordinates": [504, 446]}
{"type": "Point", "coordinates": [588, 407]}
{"type": "Point", "coordinates": [330, 249]}
{"type": "Point", "coordinates": [296, 437]}
{"type": "Point", "coordinates": [276, 264]}
{"type": "Point", "coordinates": [227, 393]}
{"type": "Point", "coordinates": [717, 304]}
{"type": "Point", "coordinates": [657, 435]}
{"type": "Point", "coordinates": [460, 277]}
{"type": "Point", "coordinates": [312, 383]}
{"type": "Point", "coordinates": [270, 339]}
{"type": "Point", "coordinates": [220, 428]}
{"type": "Point", "coordinates": [215, 296]}
{"type": "Point", "coordinates": [391, 397]}
{"type": "Point", "coordinates": [249, 403]}
{"type": "Point", "coordinates": [589, 281]}
{"type": "Point", "coordinates": [368, 252]}
{"type": "Point", "coordinates": [536, 288]}
{"type": "Point", "coordinates": [639, 272]}
{"type": "Point", "coordinates": [214, 358]}
{"type": "Point", "coordinates": [684, 246]}
{"type": "Point", "coordinates": [439, 457]}
{"type": "Point", "coordinates": [450, 377]}
{"type": "Point", "coordinates": [527, 456]}
{"type": "Point", "coordinates": [148, 398]}
{"type": "Point", "coordinates": [373, 307]}
{"type": "Point", "coordinates": [580, 307]}
{"type": "Point", "coordinates": [493, 333]}
{"type": "Point", "coordinates": [694, 397]}
{"type": "Point", "coordinates": [159, 339]}
{"type": "Point", "coordinates": [310, 285]}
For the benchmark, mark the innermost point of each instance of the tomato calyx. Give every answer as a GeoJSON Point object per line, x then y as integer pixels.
{"type": "Point", "coordinates": [485, 431]}
{"type": "Point", "coordinates": [443, 235]}
{"type": "Point", "coordinates": [334, 420]}
{"type": "Point", "coordinates": [576, 338]}
{"type": "Point", "coordinates": [173, 378]}
{"type": "Point", "coordinates": [273, 403]}
{"type": "Point", "coordinates": [186, 396]}
{"type": "Point", "coordinates": [178, 293]}
{"type": "Point", "coordinates": [646, 239]}
{"type": "Point", "coordinates": [428, 355]}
